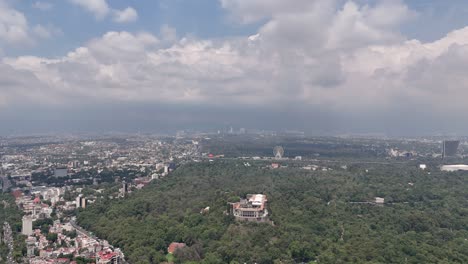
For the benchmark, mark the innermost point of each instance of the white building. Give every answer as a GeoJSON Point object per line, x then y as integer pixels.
{"type": "Point", "coordinates": [379, 200]}
{"type": "Point", "coordinates": [451, 168]}
{"type": "Point", "coordinates": [251, 209]}
{"type": "Point", "coordinates": [27, 225]}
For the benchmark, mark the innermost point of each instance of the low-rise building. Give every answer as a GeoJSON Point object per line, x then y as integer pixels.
{"type": "Point", "coordinates": [253, 208]}
{"type": "Point", "coordinates": [108, 256]}
{"type": "Point", "coordinates": [174, 246]}
{"type": "Point", "coordinates": [379, 200]}
{"type": "Point", "coordinates": [452, 168]}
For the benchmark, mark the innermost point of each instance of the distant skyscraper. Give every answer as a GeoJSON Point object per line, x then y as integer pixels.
{"type": "Point", "coordinates": [450, 148]}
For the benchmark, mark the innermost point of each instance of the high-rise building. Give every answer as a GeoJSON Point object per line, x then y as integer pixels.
{"type": "Point", "coordinates": [450, 148]}
{"type": "Point", "coordinates": [27, 225]}
{"type": "Point", "coordinates": [80, 201]}
{"type": "Point", "coordinates": [124, 187]}
{"type": "Point", "coordinates": [83, 202]}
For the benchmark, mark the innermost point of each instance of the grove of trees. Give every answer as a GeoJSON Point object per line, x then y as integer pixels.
{"type": "Point", "coordinates": [424, 219]}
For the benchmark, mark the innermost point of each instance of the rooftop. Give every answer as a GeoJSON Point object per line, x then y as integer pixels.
{"type": "Point", "coordinates": [174, 246]}
{"type": "Point", "coordinates": [106, 255]}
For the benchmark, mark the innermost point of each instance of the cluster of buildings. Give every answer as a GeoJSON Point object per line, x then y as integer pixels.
{"type": "Point", "coordinates": [401, 153]}
{"type": "Point", "coordinates": [62, 237]}
{"type": "Point", "coordinates": [46, 175]}
{"type": "Point", "coordinates": [80, 161]}
{"type": "Point", "coordinates": [33, 206]}
{"type": "Point", "coordinates": [41, 171]}
{"type": "Point", "coordinates": [434, 148]}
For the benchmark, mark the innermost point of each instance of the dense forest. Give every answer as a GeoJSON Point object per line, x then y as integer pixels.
{"type": "Point", "coordinates": [424, 219]}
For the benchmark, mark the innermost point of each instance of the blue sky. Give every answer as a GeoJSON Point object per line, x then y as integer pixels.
{"type": "Point", "coordinates": [202, 18]}
{"type": "Point", "coordinates": [334, 66]}
{"type": "Point", "coordinates": [437, 18]}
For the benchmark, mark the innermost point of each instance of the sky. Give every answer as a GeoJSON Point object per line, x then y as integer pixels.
{"type": "Point", "coordinates": [390, 67]}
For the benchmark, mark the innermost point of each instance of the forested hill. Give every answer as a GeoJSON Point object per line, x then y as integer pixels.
{"type": "Point", "coordinates": [313, 219]}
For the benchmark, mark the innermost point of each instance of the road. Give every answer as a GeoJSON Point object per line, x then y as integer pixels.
{"type": "Point", "coordinates": [82, 231]}
{"type": "Point", "coordinates": [8, 236]}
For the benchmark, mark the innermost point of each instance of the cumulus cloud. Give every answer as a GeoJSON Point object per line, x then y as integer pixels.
{"type": "Point", "coordinates": [330, 55]}
{"type": "Point", "coordinates": [168, 33]}
{"type": "Point", "coordinates": [101, 9]}
{"type": "Point", "coordinates": [13, 25]}
{"type": "Point", "coordinates": [15, 29]}
{"type": "Point", "coordinates": [127, 15]}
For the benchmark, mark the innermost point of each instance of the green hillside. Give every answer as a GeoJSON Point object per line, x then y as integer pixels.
{"type": "Point", "coordinates": [426, 222]}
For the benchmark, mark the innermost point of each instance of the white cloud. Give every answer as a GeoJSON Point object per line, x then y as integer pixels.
{"type": "Point", "coordinates": [168, 33]}
{"type": "Point", "coordinates": [127, 15]}
{"type": "Point", "coordinates": [357, 26]}
{"type": "Point", "coordinates": [13, 26]}
{"type": "Point", "coordinates": [339, 57]}
{"type": "Point", "coordinates": [15, 29]}
{"type": "Point", "coordinates": [101, 9]}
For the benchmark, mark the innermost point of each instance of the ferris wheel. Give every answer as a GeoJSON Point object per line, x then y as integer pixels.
{"type": "Point", "coordinates": [278, 152]}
